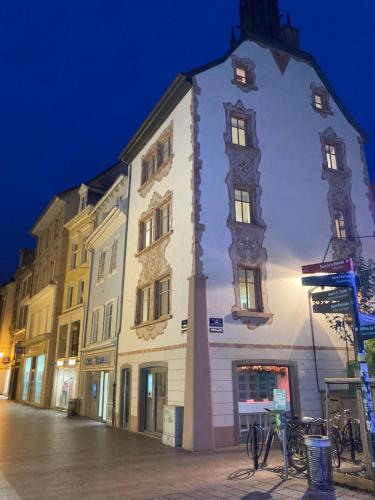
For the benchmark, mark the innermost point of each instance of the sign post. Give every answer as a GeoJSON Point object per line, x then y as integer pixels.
{"type": "Point", "coordinates": [280, 405]}
{"type": "Point", "coordinates": [362, 332]}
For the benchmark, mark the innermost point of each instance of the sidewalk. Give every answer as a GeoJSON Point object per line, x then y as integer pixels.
{"type": "Point", "coordinates": [45, 455]}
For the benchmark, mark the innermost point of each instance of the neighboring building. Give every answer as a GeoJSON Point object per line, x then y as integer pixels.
{"type": "Point", "coordinates": [7, 293]}
{"type": "Point", "coordinates": [45, 301]}
{"type": "Point", "coordinates": [72, 320]}
{"type": "Point", "coordinates": [23, 280]}
{"type": "Point", "coordinates": [248, 168]}
{"type": "Point", "coordinates": [106, 246]}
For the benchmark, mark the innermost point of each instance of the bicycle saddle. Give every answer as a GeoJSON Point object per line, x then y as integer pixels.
{"type": "Point", "coordinates": [307, 420]}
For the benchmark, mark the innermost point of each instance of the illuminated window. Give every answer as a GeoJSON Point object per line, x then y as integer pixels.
{"type": "Point", "coordinates": [242, 206]}
{"type": "Point", "coordinates": [162, 289]}
{"type": "Point", "coordinates": [249, 289]}
{"type": "Point", "coordinates": [238, 127]}
{"type": "Point", "coordinates": [332, 157]}
{"type": "Point", "coordinates": [318, 100]}
{"type": "Point", "coordinates": [256, 385]}
{"type": "Point", "coordinates": [240, 74]}
{"type": "Point", "coordinates": [340, 224]}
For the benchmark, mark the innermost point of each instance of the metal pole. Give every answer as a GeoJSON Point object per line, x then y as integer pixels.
{"type": "Point", "coordinates": [364, 377]}
{"type": "Point", "coordinates": [284, 475]}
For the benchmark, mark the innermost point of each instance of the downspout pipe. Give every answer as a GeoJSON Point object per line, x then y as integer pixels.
{"type": "Point", "coordinates": [121, 301]}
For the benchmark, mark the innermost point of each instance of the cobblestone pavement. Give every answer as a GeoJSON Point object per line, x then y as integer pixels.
{"type": "Point", "coordinates": [45, 455]}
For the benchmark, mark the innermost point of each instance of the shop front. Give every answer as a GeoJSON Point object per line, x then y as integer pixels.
{"type": "Point", "coordinates": [153, 398]}
{"type": "Point", "coordinates": [254, 386]}
{"type": "Point", "coordinates": [66, 382]}
{"type": "Point", "coordinates": [34, 374]}
{"type": "Point", "coordinates": [97, 382]}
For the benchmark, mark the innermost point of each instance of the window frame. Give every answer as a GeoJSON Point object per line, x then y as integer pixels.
{"type": "Point", "coordinates": [257, 290]}
{"type": "Point", "coordinates": [233, 127]}
{"type": "Point", "coordinates": [329, 156]}
{"type": "Point", "coordinates": [69, 295]}
{"type": "Point", "coordinates": [158, 312]}
{"type": "Point", "coordinates": [101, 266]}
{"type": "Point", "coordinates": [95, 326]}
{"type": "Point", "coordinates": [113, 258]}
{"type": "Point", "coordinates": [242, 202]}
{"type": "Point", "coordinates": [74, 255]}
{"type": "Point", "coordinates": [107, 325]}
{"type": "Point", "coordinates": [341, 224]}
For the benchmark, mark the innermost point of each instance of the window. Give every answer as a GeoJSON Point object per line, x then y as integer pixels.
{"type": "Point", "coordinates": [148, 168]}
{"type": "Point", "coordinates": [240, 74]}
{"type": "Point", "coordinates": [256, 385]}
{"type": "Point", "coordinates": [74, 256]}
{"type": "Point", "coordinates": [84, 251]}
{"type": "Point", "coordinates": [69, 296]}
{"type": "Point", "coordinates": [74, 338]}
{"type": "Point", "coordinates": [164, 220]}
{"type": "Point", "coordinates": [146, 233]}
{"type": "Point", "coordinates": [95, 326]}
{"type": "Point", "coordinates": [81, 292]}
{"type": "Point", "coordinates": [113, 261]}
{"type": "Point", "coordinates": [101, 265]}
{"type": "Point", "coordinates": [162, 289]}
{"type": "Point", "coordinates": [331, 157]}
{"type": "Point", "coordinates": [61, 351]}
{"type": "Point", "coordinates": [249, 289]}
{"type": "Point", "coordinates": [238, 126]}
{"type": "Point", "coordinates": [144, 304]}
{"type": "Point", "coordinates": [319, 101]}
{"type": "Point", "coordinates": [164, 151]}
{"type": "Point", "coordinates": [340, 224]}
{"type": "Point", "coordinates": [108, 320]}
{"type": "Point", "coordinates": [242, 206]}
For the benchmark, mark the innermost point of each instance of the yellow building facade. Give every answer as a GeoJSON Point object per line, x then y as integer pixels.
{"type": "Point", "coordinates": [71, 321]}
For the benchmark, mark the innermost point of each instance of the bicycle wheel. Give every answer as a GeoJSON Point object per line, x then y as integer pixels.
{"type": "Point", "coordinates": [336, 434]}
{"type": "Point", "coordinates": [357, 437]}
{"type": "Point", "coordinates": [297, 451]}
{"type": "Point", "coordinates": [335, 454]}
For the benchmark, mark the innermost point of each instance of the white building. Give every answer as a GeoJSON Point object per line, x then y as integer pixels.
{"type": "Point", "coordinates": [248, 168]}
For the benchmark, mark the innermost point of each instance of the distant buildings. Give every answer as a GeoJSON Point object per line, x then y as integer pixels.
{"type": "Point", "coordinates": [171, 282]}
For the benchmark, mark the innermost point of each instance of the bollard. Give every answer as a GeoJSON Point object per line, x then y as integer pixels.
{"type": "Point", "coordinates": [319, 464]}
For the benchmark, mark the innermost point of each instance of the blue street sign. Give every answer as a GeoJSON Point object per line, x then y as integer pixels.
{"type": "Point", "coordinates": [366, 332]}
{"type": "Point", "coordinates": [343, 279]}
{"type": "Point", "coordinates": [366, 319]}
{"type": "Point", "coordinates": [216, 325]}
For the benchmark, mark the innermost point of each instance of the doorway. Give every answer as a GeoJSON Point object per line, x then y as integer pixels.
{"type": "Point", "coordinates": [155, 397]}
{"type": "Point", "coordinates": [98, 395]}
{"type": "Point", "coordinates": [125, 397]}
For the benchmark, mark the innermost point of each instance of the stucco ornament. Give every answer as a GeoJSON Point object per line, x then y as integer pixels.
{"type": "Point", "coordinates": [246, 249]}
{"type": "Point", "coordinates": [154, 266]}
{"type": "Point", "coordinates": [339, 197]}
{"type": "Point", "coordinates": [366, 177]}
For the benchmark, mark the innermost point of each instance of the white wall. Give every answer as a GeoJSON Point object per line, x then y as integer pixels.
{"type": "Point", "coordinates": [294, 208]}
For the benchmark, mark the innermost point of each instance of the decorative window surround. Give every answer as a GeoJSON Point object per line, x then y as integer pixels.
{"type": "Point", "coordinates": [160, 171]}
{"type": "Point", "coordinates": [325, 110]}
{"type": "Point", "coordinates": [339, 198]}
{"type": "Point", "coordinates": [154, 268]}
{"type": "Point", "coordinates": [366, 178]}
{"type": "Point", "coordinates": [157, 202]}
{"type": "Point", "coordinates": [249, 67]}
{"type": "Point", "coordinates": [246, 249]}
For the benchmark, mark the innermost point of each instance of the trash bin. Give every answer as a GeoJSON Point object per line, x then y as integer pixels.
{"type": "Point", "coordinates": [72, 407]}
{"type": "Point", "coordinates": [319, 464]}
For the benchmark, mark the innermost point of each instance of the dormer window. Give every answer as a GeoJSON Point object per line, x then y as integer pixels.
{"type": "Point", "coordinates": [240, 74]}
{"type": "Point", "coordinates": [244, 74]}
{"type": "Point", "coordinates": [320, 100]}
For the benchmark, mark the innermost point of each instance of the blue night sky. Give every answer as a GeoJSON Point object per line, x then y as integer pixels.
{"type": "Point", "coordinates": [79, 77]}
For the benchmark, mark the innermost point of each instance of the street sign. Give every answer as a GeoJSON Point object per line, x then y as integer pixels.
{"type": "Point", "coordinates": [342, 279]}
{"type": "Point", "coordinates": [335, 295]}
{"type": "Point", "coordinates": [366, 319]}
{"type": "Point", "coordinates": [334, 266]}
{"type": "Point", "coordinates": [334, 307]}
{"type": "Point", "coordinates": [184, 325]}
{"type": "Point", "coordinates": [366, 331]}
{"type": "Point", "coordinates": [216, 325]}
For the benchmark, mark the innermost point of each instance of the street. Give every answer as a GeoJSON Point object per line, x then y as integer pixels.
{"type": "Point", "coordinates": [46, 455]}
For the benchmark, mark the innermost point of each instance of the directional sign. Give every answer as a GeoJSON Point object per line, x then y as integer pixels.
{"type": "Point", "coordinates": [367, 319]}
{"type": "Point", "coordinates": [343, 279]}
{"type": "Point", "coordinates": [367, 332]}
{"type": "Point", "coordinates": [337, 294]}
{"type": "Point", "coordinates": [334, 307]}
{"type": "Point", "coordinates": [334, 266]}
